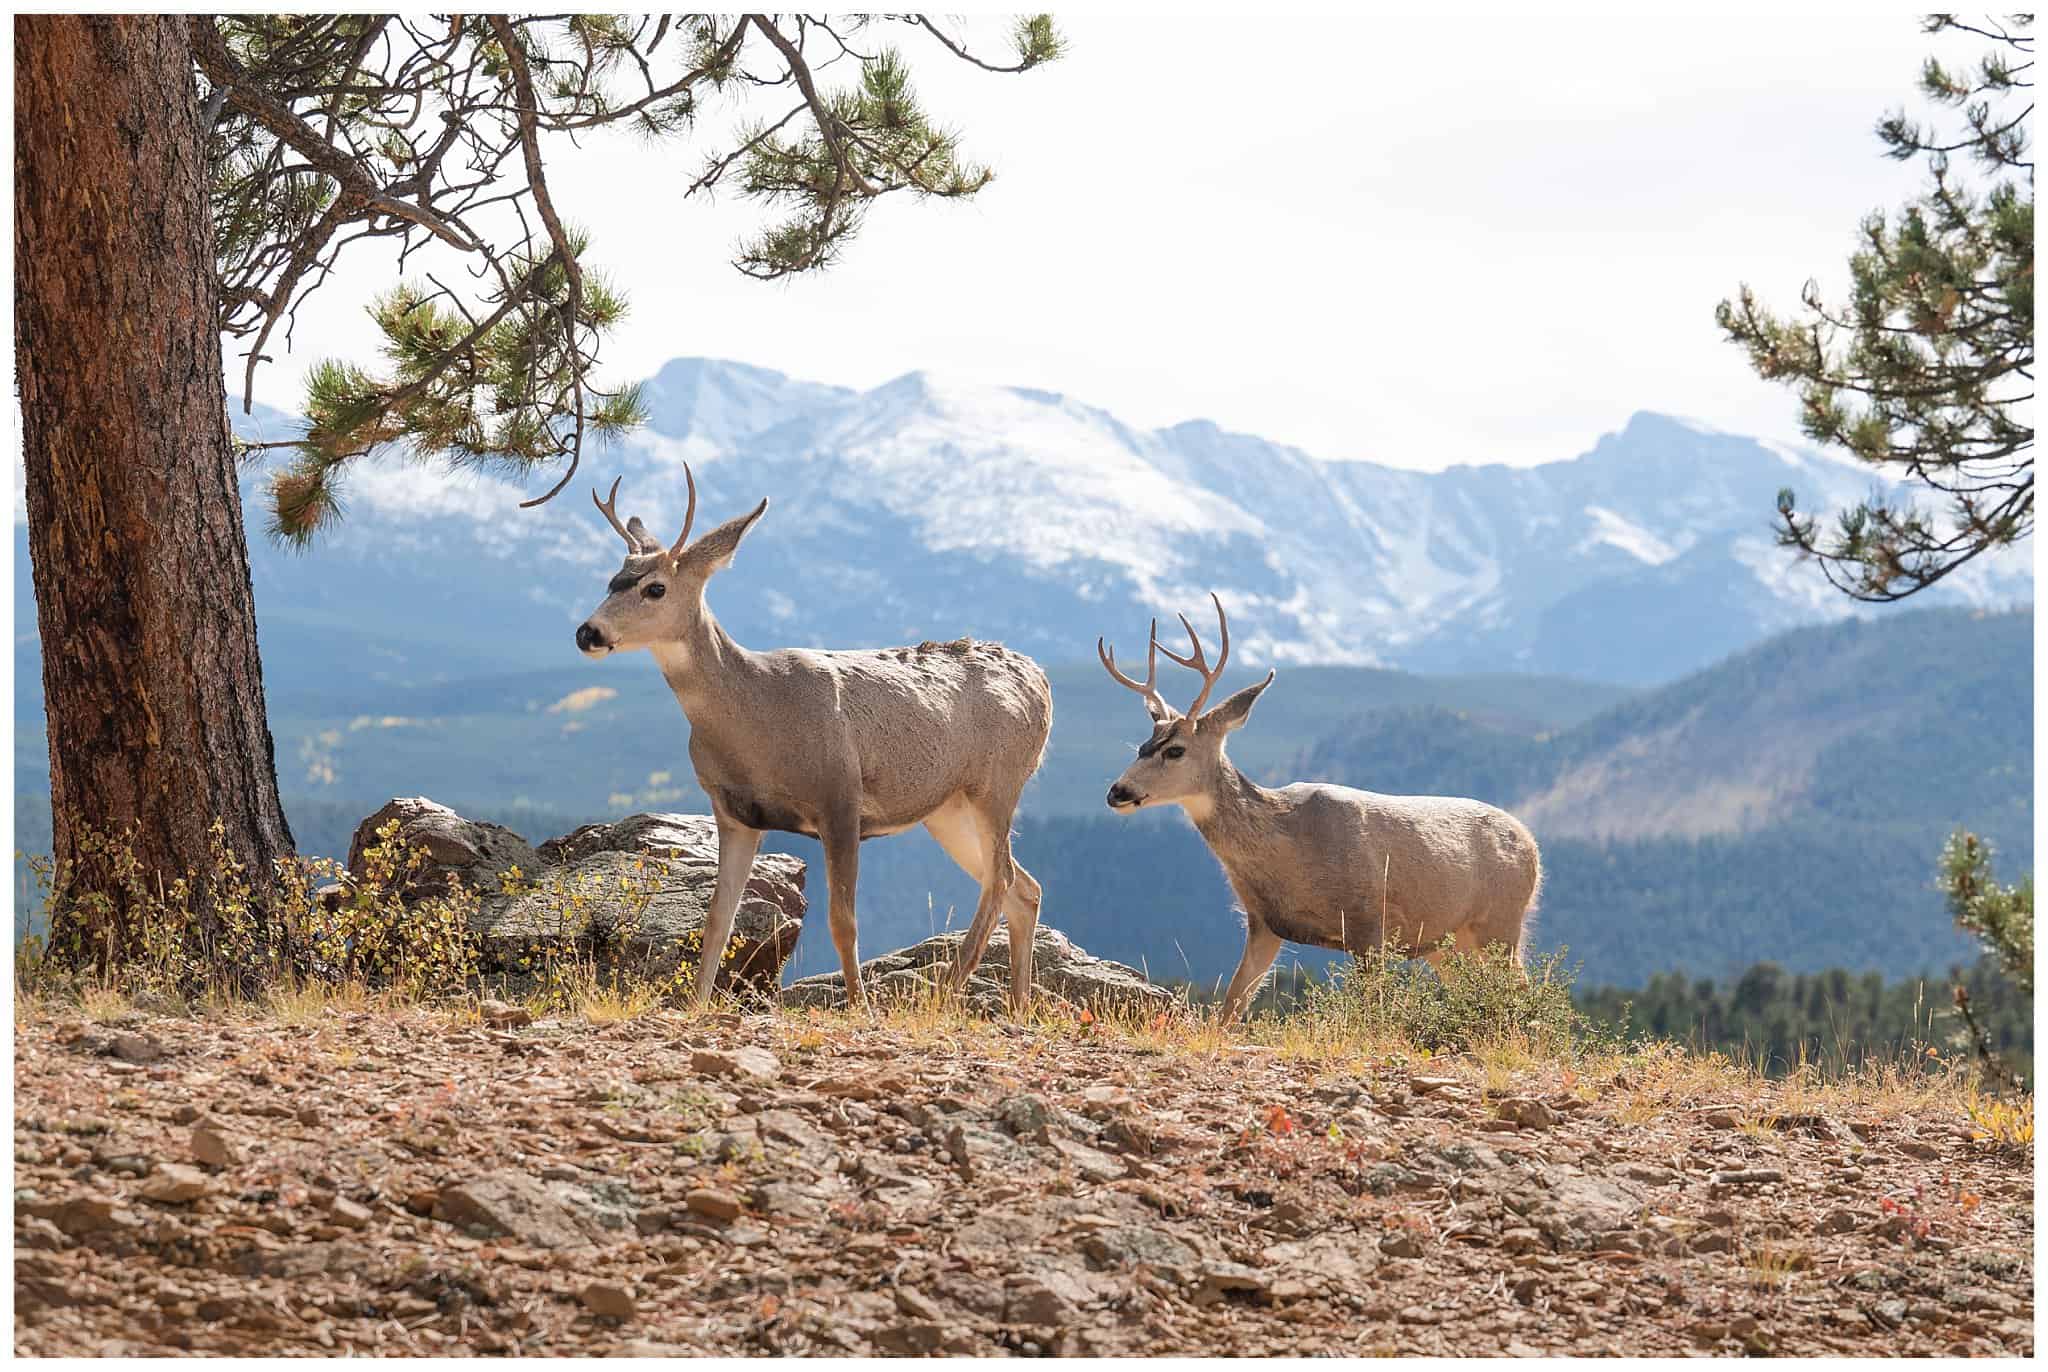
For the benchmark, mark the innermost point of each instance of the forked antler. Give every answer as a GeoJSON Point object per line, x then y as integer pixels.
{"type": "Point", "coordinates": [610, 506]}
{"type": "Point", "coordinates": [1200, 662]}
{"type": "Point", "coordinates": [690, 517]}
{"type": "Point", "coordinates": [1144, 688]}
{"type": "Point", "coordinates": [634, 532]}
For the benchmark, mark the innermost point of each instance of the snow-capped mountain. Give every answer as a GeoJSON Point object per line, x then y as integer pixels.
{"type": "Point", "coordinates": [930, 509]}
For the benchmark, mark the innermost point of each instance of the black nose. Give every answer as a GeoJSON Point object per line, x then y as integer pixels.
{"type": "Point", "coordinates": [588, 637]}
{"type": "Point", "coordinates": [1120, 794]}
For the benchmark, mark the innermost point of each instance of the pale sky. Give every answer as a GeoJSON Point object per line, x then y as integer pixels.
{"type": "Point", "coordinates": [1397, 238]}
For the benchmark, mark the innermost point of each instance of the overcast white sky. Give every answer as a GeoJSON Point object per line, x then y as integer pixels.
{"type": "Point", "coordinates": [1396, 238]}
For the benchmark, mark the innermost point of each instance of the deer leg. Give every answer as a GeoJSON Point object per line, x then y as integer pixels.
{"type": "Point", "coordinates": [1261, 946]}
{"type": "Point", "coordinates": [1021, 907]}
{"type": "Point", "coordinates": [842, 870]}
{"type": "Point", "coordinates": [737, 845]}
{"type": "Point", "coordinates": [995, 885]}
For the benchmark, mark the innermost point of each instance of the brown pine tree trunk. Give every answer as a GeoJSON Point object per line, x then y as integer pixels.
{"type": "Point", "coordinates": [152, 686]}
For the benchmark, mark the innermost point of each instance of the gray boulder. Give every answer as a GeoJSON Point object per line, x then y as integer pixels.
{"type": "Point", "coordinates": [1060, 968]}
{"type": "Point", "coordinates": [636, 891]}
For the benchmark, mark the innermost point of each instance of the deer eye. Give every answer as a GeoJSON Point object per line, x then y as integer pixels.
{"type": "Point", "coordinates": [1175, 752]}
{"type": "Point", "coordinates": [655, 591]}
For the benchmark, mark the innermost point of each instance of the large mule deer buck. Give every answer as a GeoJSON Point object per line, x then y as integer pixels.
{"type": "Point", "coordinates": [838, 746]}
{"type": "Point", "coordinates": [1319, 864]}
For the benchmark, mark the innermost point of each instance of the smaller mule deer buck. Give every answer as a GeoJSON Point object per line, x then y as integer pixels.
{"type": "Point", "coordinates": [1319, 864]}
{"type": "Point", "coordinates": [838, 746]}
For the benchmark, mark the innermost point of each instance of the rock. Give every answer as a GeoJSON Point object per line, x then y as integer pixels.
{"type": "Point", "coordinates": [176, 1184]}
{"type": "Point", "coordinates": [212, 1148]}
{"type": "Point", "coordinates": [136, 1047]}
{"type": "Point", "coordinates": [1090, 1164]}
{"type": "Point", "coordinates": [917, 1305]}
{"type": "Point", "coordinates": [1025, 1117]}
{"type": "Point", "coordinates": [1130, 1244]}
{"type": "Point", "coordinates": [509, 1204]}
{"type": "Point", "coordinates": [609, 1299]}
{"type": "Point", "coordinates": [1058, 966]}
{"type": "Point", "coordinates": [747, 1064]}
{"type": "Point", "coordinates": [1404, 1245]}
{"type": "Point", "coordinates": [912, 1339]}
{"type": "Point", "coordinates": [1650, 1175]}
{"type": "Point", "coordinates": [87, 1215]}
{"type": "Point", "coordinates": [1714, 1241]}
{"type": "Point", "coordinates": [1527, 1113]}
{"type": "Point", "coordinates": [186, 1114]}
{"type": "Point", "coordinates": [457, 850]}
{"type": "Point", "coordinates": [308, 1115]}
{"type": "Point", "coordinates": [1837, 1222]}
{"type": "Point", "coordinates": [499, 1014]}
{"type": "Point", "coordinates": [714, 1203]}
{"type": "Point", "coordinates": [1423, 1086]}
{"type": "Point", "coordinates": [1919, 1148]}
{"type": "Point", "coordinates": [1748, 1176]}
{"type": "Point", "coordinates": [33, 1231]}
{"type": "Point", "coordinates": [1217, 1281]}
{"type": "Point", "coordinates": [348, 1214]}
{"type": "Point", "coordinates": [1031, 1301]}
{"type": "Point", "coordinates": [574, 890]}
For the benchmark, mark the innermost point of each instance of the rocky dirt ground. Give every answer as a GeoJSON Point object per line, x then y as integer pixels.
{"type": "Point", "coordinates": [415, 1182]}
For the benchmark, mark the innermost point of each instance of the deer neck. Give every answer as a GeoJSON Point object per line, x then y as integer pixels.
{"type": "Point", "coordinates": [704, 667]}
{"type": "Point", "coordinates": [1233, 806]}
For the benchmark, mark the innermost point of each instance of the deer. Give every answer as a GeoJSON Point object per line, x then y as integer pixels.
{"type": "Point", "coordinates": [840, 746]}
{"type": "Point", "coordinates": [1320, 864]}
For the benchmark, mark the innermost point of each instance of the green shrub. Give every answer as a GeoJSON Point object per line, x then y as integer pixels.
{"type": "Point", "coordinates": [1470, 1000]}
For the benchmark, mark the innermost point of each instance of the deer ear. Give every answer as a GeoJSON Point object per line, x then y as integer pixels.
{"type": "Point", "coordinates": [1235, 709]}
{"type": "Point", "coordinates": [713, 552]}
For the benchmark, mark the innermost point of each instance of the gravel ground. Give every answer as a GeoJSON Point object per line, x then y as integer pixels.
{"type": "Point", "coordinates": [405, 1182]}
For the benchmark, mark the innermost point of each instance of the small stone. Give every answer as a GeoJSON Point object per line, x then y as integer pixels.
{"type": "Point", "coordinates": [1649, 1174]}
{"type": "Point", "coordinates": [1423, 1086]}
{"type": "Point", "coordinates": [1837, 1222]}
{"type": "Point", "coordinates": [176, 1184]}
{"type": "Point", "coordinates": [1748, 1176]}
{"type": "Point", "coordinates": [1527, 1112]}
{"type": "Point", "coordinates": [500, 1014]}
{"type": "Point", "coordinates": [308, 1115]}
{"type": "Point", "coordinates": [714, 1203]}
{"type": "Point", "coordinates": [185, 1114]}
{"type": "Point", "coordinates": [1420, 1314]}
{"type": "Point", "coordinates": [917, 1305]}
{"type": "Point", "coordinates": [1218, 1280]}
{"type": "Point", "coordinates": [1715, 1241]}
{"type": "Point", "coordinates": [746, 1064]}
{"type": "Point", "coordinates": [610, 1300]}
{"type": "Point", "coordinates": [212, 1148]}
{"type": "Point", "coordinates": [1707, 1333]}
{"type": "Point", "coordinates": [90, 1215]}
{"type": "Point", "coordinates": [1919, 1148]}
{"type": "Point", "coordinates": [348, 1214]}
{"type": "Point", "coordinates": [910, 1339]}
{"type": "Point", "coordinates": [1024, 1116]}
{"type": "Point", "coordinates": [33, 1231]}
{"type": "Point", "coordinates": [1402, 1245]}
{"type": "Point", "coordinates": [136, 1047]}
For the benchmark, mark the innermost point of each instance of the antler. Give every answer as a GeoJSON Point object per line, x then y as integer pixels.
{"type": "Point", "coordinates": [1200, 662]}
{"type": "Point", "coordinates": [688, 518]}
{"type": "Point", "coordinates": [610, 507]}
{"type": "Point", "coordinates": [1144, 688]}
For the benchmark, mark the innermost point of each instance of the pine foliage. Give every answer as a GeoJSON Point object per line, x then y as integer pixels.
{"type": "Point", "coordinates": [434, 134]}
{"type": "Point", "coordinates": [2002, 917]}
{"type": "Point", "coordinates": [1927, 371]}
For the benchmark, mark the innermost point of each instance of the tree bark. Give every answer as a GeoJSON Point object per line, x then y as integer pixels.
{"type": "Point", "coordinates": [152, 685]}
